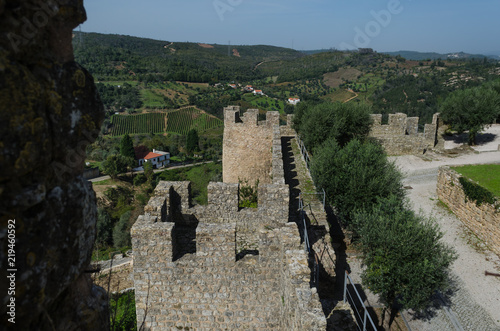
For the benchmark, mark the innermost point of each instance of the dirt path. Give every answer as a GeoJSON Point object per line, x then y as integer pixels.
{"type": "Point", "coordinates": [354, 97]}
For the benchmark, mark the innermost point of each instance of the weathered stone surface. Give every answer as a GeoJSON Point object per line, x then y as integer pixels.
{"type": "Point", "coordinates": [49, 112]}
{"type": "Point", "coordinates": [483, 220]}
{"type": "Point", "coordinates": [223, 267]}
{"type": "Point", "coordinates": [247, 146]}
{"type": "Point", "coordinates": [231, 268]}
{"type": "Point", "coordinates": [400, 136]}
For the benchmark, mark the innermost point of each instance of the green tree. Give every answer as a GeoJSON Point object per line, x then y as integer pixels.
{"type": "Point", "coordinates": [192, 141]}
{"type": "Point", "coordinates": [121, 233]}
{"type": "Point", "coordinates": [406, 261]}
{"type": "Point", "coordinates": [122, 311]}
{"type": "Point", "coordinates": [104, 228]}
{"type": "Point", "coordinates": [148, 172]}
{"type": "Point", "coordinates": [355, 176]}
{"type": "Point", "coordinates": [115, 165]}
{"type": "Point", "coordinates": [471, 109]}
{"type": "Point", "coordinates": [341, 121]}
{"type": "Point", "coordinates": [127, 147]}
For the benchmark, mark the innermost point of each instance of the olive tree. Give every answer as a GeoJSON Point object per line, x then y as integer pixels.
{"type": "Point", "coordinates": [471, 110]}
{"type": "Point", "coordinates": [406, 261]}
{"type": "Point", "coordinates": [355, 176]}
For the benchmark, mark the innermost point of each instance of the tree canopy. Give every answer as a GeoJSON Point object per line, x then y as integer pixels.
{"type": "Point", "coordinates": [406, 262]}
{"type": "Point", "coordinates": [471, 109]}
{"type": "Point", "coordinates": [127, 147]}
{"type": "Point", "coordinates": [355, 176]}
{"type": "Point", "coordinates": [192, 141]}
{"type": "Point", "coordinates": [340, 121]}
{"type": "Point", "coordinates": [115, 165]}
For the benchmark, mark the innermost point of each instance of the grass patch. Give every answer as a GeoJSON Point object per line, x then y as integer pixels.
{"type": "Point", "coordinates": [265, 103]}
{"type": "Point", "coordinates": [487, 175]}
{"type": "Point", "coordinates": [152, 99]}
{"type": "Point", "coordinates": [107, 182]}
{"type": "Point", "coordinates": [443, 205]}
{"type": "Point", "coordinates": [339, 95]}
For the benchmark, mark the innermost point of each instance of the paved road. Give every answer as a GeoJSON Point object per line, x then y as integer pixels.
{"type": "Point", "coordinates": [98, 179]}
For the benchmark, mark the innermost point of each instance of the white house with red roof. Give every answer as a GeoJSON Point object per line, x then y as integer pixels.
{"type": "Point", "coordinates": [157, 158]}
{"type": "Point", "coordinates": [258, 92]}
{"type": "Point", "coordinates": [293, 101]}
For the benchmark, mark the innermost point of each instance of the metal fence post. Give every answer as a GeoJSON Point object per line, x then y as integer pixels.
{"type": "Point", "coordinates": [324, 199]}
{"type": "Point", "coordinates": [345, 286]}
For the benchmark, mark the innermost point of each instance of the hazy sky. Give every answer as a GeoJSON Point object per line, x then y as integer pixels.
{"type": "Point", "coordinates": [390, 25]}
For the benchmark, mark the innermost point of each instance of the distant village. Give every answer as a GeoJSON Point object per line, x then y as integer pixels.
{"type": "Point", "coordinates": [251, 89]}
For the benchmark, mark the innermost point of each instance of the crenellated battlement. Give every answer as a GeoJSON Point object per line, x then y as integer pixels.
{"type": "Point", "coordinates": [219, 266]}
{"type": "Point", "coordinates": [400, 136]}
{"type": "Point", "coordinates": [246, 262]}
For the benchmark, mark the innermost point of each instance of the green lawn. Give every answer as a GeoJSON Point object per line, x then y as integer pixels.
{"type": "Point", "coordinates": [487, 175]}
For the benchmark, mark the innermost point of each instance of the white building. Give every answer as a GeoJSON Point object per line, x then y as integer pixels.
{"type": "Point", "coordinates": [157, 158]}
{"type": "Point", "coordinates": [293, 101]}
{"type": "Point", "coordinates": [258, 92]}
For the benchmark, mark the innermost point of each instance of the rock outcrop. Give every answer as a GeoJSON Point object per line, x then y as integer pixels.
{"type": "Point", "coordinates": [49, 112]}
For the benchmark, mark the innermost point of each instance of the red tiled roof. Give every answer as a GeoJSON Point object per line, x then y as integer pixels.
{"type": "Point", "coordinates": [151, 155]}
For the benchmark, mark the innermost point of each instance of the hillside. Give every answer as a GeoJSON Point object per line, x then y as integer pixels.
{"type": "Point", "coordinates": [419, 56]}
{"type": "Point", "coordinates": [115, 57]}
{"type": "Point", "coordinates": [138, 75]}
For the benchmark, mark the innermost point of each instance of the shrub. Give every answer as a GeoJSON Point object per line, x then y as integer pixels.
{"type": "Point", "coordinates": [477, 193]}
{"type": "Point", "coordinates": [248, 194]}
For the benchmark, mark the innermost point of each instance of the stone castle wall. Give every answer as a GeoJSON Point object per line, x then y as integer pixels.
{"type": "Point", "coordinates": [191, 269]}
{"type": "Point", "coordinates": [220, 266]}
{"type": "Point", "coordinates": [484, 220]}
{"type": "Point", "coordinates": [400, 136]}
{"type": "Point", "coordinates": [247, 144]}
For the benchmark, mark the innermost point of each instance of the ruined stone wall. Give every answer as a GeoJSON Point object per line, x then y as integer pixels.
{"type": "Point", "coordinates": [400, 136]}
{"type": "Point", "coordinates": [484, 220]}
{"type": "Point", "coordinates": [219, 281]}
{"type": "Point", "coordinates": [247, 145]}
{"type": "Point", "coordinates": [49, 112]}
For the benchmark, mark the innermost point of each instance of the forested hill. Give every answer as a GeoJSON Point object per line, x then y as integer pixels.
{"type": "Point", "coordinates": [420, 56]}
{"type": "Point", "coordinates": [191, 62]}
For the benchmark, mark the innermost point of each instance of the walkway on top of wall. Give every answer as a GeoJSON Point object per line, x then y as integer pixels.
{"type": "Point", "coordinates": [297, 176]}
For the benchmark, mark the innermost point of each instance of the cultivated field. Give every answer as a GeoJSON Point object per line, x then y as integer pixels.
{"type": "Point", "coordinates": [177, 121]}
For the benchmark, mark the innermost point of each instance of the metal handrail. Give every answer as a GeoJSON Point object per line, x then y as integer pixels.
{"type": "Point", "coordinates": [366, 315]}
{"type": "Point", "coordinates": [307, 244]}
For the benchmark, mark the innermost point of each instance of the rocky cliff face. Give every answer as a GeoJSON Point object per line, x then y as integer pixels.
{"type": "Point", "coordinates": [49, 112]}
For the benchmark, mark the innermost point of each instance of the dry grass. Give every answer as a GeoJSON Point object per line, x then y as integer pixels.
{"type": "Point", "coordinates": [334, 79]}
